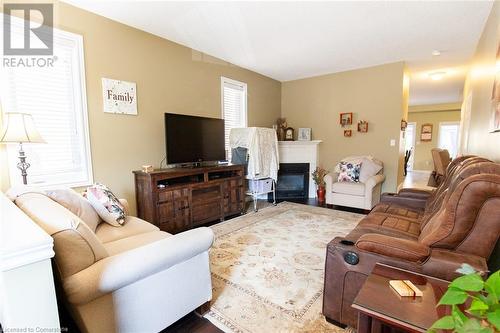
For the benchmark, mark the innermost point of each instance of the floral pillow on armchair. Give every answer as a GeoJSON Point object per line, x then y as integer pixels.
{"type": "Point", "coordinates": [349, 172]}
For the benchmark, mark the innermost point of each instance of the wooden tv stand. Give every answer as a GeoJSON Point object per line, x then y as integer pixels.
{"type": "Point", "coordinates": [179, 199]}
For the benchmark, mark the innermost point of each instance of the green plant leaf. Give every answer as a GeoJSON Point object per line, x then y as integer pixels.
{"type": "Point", "coordinates": [471, 282]}
{"type": "Point", "coordinates": [453, 296]}
{"type": "Point", "coordinates": [466, 269]}
{"type": "Point", "coordinates": [486, 330]}
{"type": "Point", "coordinates": [458, 316]}
{"type": "Point", "coordinates": [471, 326]}
{"type": "Point", "coordinates": [494, 318]}
{"type": "Point", "coordinates": [478, 305]}
{"type": "Point", "coordinates": [445, 323]}
{"type": "Point", "coordinates": [492, 284]}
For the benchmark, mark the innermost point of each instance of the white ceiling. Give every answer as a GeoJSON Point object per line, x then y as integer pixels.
{"type": "Point", "coordinates": [293, 40]}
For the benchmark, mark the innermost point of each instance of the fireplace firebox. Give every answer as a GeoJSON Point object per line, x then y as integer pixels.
{"type": "Point", "coordinates": [293, 181]}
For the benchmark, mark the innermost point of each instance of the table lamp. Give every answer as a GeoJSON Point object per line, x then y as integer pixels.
{"type": "Point", "coordinates": [20, 128]}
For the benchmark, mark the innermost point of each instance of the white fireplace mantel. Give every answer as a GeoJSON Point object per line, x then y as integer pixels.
{"type": "Point", "coordinates": [301, 152]}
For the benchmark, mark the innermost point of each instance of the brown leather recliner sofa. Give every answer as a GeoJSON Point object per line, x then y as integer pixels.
{"type": "Point", "coordinates": [430, 233]}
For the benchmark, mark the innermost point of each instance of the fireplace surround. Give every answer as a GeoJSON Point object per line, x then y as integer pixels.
{"type": "Point", "coordinates": [301, 152]}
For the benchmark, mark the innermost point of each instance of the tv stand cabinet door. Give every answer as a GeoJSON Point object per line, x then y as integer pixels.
{"type": "Point", "coordinates": [182, 220]}
{"type": "Point", "coordinates": [174, 214]}
{"type": "Point", "coordinates": [234, 196]}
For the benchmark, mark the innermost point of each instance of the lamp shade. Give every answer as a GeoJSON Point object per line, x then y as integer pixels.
{"type": "Point", "coordinates": [19, 128]}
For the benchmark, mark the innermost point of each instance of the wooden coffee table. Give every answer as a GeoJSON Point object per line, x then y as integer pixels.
{"type": "Point", "coordinates": [380, 306]}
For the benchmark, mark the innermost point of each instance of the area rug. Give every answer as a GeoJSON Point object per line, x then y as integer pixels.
{"type": "Point", "coordinates": [268, 268]}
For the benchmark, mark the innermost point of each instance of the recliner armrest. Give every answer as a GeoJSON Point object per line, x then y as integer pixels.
{"type": "Point", "coordinates": [115, 272]}
{"type": "Point", "coordinates": [403, 201]}
{"type": "Point", "coordinates": [443, 263]}
{"type": "Point", "coordinates": [394, 247]}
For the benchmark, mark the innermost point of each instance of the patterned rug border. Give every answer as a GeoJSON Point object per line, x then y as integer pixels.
{"type": "Point", "coordinates": [221, 319]}
{"type": "Point", "coordinates": [297, 315]}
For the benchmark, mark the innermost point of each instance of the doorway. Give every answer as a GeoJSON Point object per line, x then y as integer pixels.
{"type": "Point", "coordinates": [410, 137]}
{"type": "Point", "coordinates": [448, 137]}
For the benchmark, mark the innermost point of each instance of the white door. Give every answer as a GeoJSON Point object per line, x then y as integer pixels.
{"type": "Point", "coordinates": [448, 137]}
{"type": "Point", "coordinates": [410, 142]}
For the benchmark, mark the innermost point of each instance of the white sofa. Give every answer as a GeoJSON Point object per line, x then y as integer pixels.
{"type": "Point", "coordinates": [364, 194]}
{"type": "Point", "coordinates": [133, 278]}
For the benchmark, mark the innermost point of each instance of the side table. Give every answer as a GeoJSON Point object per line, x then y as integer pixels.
{"type": "Point", "coordinates": [381, 309]}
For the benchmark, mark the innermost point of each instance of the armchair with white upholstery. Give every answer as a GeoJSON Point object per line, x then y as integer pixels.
{"type": "Point", "coordinates": [131, 278]}
{"type": "Point", "coordinates": [364, 194]}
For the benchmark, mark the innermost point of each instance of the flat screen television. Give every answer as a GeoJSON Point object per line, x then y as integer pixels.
{"type": "Point", "coordinates": [191, 139]}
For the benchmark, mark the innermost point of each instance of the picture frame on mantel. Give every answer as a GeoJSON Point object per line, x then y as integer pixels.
{"type": "Point", "coordinates": [304, 134]}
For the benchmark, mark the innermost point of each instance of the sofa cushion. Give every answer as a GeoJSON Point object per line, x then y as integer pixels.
{"type": "Point", "coordinates": [132, 242]}
{"type": "Point", "coordinates": [77, 249]}
{"type": "Point", "coordinates": [391, 223]}
{"type": "Point", "coordinates": [350, 188]}
{"type": "Point", "coordinates": [77, 204]}
{"type": "Point", "coordinates": [396, 210]}
{"type": "Point", "coordinates": [133, 226]}
{"type": "Point", "coordinates": [106, 204]}
{"type": "Point", "coordinates": [75, 245]}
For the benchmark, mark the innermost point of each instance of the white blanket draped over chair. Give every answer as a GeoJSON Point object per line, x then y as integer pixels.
{"type": "Point", "coordinates": [262, 146]}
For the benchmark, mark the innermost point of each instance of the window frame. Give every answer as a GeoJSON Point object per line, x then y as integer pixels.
{"type": "Point", "coordinates": [223, 80]}
{"type": "Point", "coordinates": [244, 86]}
{"type": "Point", "coordinates": [80, 97]}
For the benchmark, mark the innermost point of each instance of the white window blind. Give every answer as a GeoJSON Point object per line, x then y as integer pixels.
{"type": "Point", "coordinates": [55, 97]}
{"type": "Point", "coordinates": [234, 107]}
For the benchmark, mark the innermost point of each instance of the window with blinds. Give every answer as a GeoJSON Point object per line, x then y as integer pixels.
{"type": "Point", "coordinates": [234, 107]}
{"type": "Point", "coordinates": [55, 97]}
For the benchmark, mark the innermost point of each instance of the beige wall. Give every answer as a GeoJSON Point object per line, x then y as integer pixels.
{"type": "Point", "coordinates": [373, 94]}
{"type": "Point", "coordinates": [477, 92]}
{"type": "Point", "coordinates": [422, 159]}
{"type": "Point", "coordinates": [169, 77]}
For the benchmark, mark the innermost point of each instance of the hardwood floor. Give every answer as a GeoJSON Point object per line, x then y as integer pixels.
{"type": "Point", "coordinates": [192, 323]}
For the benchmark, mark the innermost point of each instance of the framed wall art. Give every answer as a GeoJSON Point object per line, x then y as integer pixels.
{"type": "Point", "coordinates": [362, 126]}
{"type": "Point", "coordinates": [119, 96]}
{"type": "Point", "coordinates": [426, 133]}
{"type": "Point", "coordinates": [346, 119]}
{"type": "Point", "coordinates": [347, 133]}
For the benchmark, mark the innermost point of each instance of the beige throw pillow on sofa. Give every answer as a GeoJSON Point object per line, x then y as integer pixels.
{"type": "Point", "coordinates": [77, 204]}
